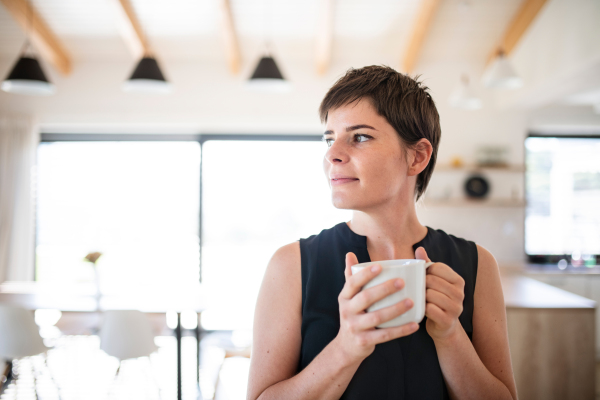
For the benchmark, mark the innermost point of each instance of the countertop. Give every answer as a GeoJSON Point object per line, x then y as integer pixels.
{"type": "Point", "coordinates": [523, 292]}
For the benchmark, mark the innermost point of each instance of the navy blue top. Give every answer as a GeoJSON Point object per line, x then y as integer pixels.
{"type": "Point", "coordinates": [404, 368]}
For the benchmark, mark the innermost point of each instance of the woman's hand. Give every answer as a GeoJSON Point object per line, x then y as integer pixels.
{"type": "Point", "coordinates": [445, 292]}
{"type": "Point", "coordinates": [357, 335]}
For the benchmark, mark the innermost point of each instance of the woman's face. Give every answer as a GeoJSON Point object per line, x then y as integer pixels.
{"type": "Point", "coordinates": [364, 164]}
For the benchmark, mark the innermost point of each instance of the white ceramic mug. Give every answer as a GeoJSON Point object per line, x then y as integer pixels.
{"type": "Point", "coordinates": [413, 273]}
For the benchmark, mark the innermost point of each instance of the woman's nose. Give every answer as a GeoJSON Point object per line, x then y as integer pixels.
{"type": "Point", "coordinates": [336, 153]}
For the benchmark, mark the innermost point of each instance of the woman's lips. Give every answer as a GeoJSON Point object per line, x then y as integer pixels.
{"type": "Point", "coordinates": [341, 181]}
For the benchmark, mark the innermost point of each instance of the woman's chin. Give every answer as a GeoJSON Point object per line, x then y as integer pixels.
{"type": "Point", "coordinates": [344, 203]}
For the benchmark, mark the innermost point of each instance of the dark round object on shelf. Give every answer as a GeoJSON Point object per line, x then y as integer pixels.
{"type": "Point", "coordinates": [477, 186]}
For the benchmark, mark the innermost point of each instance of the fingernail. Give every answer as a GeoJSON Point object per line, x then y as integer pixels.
{"type": "Point", "coordinates": [375, 268]}
{"type": "Point", "coordinates": [408, 302]}
{"type": "Point", "coordinates": [398, 283]}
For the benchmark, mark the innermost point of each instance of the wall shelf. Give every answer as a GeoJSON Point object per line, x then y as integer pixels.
{"type": "Point", "coordinates": [465, 202]}
{"type": "Point", "coordinates": [520, 168]}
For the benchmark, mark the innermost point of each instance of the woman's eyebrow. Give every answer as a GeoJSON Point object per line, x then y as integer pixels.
{"type": "Point", "coordinates": [351, 128]}
{"type": "Point", "coordinates": [355, 127]}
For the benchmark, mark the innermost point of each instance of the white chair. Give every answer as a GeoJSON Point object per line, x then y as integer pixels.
{"type": "Point", "coordinates": [19, 337]}
{"type": "Point", "coordinates": [126, 334]}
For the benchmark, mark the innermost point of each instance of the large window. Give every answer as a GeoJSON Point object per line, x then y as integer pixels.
{"type": "Point", "coordinates": [138, 203]}
{"type": "Point", "coordinates": [135, 202]}
{"type": "Point", "coordinates": [563, 198]}
{"type": "Point", "coordinates": [256, 197]}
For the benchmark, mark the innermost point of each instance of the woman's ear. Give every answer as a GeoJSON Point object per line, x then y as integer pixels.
{"type": "Point", "coordinates": [419, 156]}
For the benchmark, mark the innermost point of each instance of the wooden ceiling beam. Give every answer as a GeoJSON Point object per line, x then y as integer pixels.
{"type": "Point", "coordinates": [422, 25]}
{"type": "Point", "coordinates": [39, 34]}
{"type": "Point", "coordinates": [518, 26]}
{"type": "Point", "coordinates": [324, 43]}
{"type": "Point", "coordinates": [130, 28]}
{"type": "Point", "coordinates": [230, 39]}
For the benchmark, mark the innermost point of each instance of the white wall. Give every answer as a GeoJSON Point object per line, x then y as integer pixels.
{"type": "Point", "coordinates": [207, 99]}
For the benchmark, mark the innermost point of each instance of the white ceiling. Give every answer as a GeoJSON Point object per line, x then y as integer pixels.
{"type": "Point", "coordinates": [463, 30]}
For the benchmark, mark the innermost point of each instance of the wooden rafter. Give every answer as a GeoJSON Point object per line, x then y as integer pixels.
{"type": "Point", "coordinates": [518, 26]}
{"type": "Point", "coordinates": [232, 47]}
{"type": "Point", "coordinates": [325, 36]}
{"type": "Point", "coordinates": [40, 35]}
{"type": "Point", "coordinates": [422, 24]}
{"type": "Point", "coordinates": [130, 28]}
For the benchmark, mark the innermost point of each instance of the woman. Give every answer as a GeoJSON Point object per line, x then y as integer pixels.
{"type": "Point", "coordinates": [313, 338]}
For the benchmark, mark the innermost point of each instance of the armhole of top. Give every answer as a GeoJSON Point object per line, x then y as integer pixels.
{"type": "Point", "coordinates": [303, 270]}
{"type": "Point", "coordinates": [475, 268]}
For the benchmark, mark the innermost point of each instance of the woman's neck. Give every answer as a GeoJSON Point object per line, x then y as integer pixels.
{"type": "Point", "coordinates": [391, 230]}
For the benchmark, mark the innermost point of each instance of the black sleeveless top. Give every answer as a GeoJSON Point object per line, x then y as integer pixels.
{"type": "Point", "coordinates": [404, 368]}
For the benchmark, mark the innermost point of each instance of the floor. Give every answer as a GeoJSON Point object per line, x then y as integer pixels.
{"type": "Point", "coordinates": [75, 368]}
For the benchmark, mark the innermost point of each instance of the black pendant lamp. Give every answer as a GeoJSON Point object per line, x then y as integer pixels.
{"type": "Point", "coordinates": [147, 78]}
{"type": "Point", "coordinates": [27, 77]}
{"type": "Point", "coordinates": [267, 77]}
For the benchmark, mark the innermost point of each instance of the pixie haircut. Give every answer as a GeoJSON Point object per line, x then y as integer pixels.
{"type": "Point", "coordinates": [403, 101]}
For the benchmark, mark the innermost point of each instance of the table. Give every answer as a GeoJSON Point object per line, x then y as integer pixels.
{"type": "Point", "coordinates": [83, 299]}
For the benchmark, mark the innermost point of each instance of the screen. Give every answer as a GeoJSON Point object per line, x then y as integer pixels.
{"type": "Point", "coordinates": [562, 185]}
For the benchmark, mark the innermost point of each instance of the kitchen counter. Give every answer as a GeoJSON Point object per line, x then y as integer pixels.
{"type": "Point", "coordinates": [551, 336]}
{"type": "Point", "coordinates": [525, 292]}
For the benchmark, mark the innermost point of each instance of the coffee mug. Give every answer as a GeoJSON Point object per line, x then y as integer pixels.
{"type": "Point", "coordinates": [413, 273]}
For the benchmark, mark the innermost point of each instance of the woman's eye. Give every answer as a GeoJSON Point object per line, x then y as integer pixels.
{"type": "Point", "coordinates": [364, 138]}
{"type": "Point", "coordinates": [328, 141]}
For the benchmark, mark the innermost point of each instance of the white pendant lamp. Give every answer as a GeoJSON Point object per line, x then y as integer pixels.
{"type": "Point", "coordinates": [501, 74]}
{"type": "Point", "coordinates": [463, 96]}
{"type": "Point", "coordinates": [147, 78]}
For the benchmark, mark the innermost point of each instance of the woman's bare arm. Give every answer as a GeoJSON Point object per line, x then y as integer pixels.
{"type": "Point", "coordinates": [481, 369]}
{"type": "Point", "coordinates": [277, 332]}
{"type": "Point", "coordinates": [277, 340]}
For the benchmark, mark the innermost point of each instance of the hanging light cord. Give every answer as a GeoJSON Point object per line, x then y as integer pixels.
{"type": "Point", "coordinates": [29, 17]}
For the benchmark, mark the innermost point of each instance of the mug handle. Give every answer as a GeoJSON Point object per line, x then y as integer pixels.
{"type": "Point", "coordinates": [427, 264]}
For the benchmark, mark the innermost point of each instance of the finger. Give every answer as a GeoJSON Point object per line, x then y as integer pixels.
{"type": "Point", "coordinates": [355, 282]}
{"type": "Point", "coordinates": [441, 285]}
{"type": "Point", "coordinates": [372, 319]}
{"type": "Point", "coordinates": [421, 254]}
{"type": "Point", "coordinates": [445, 272]}
{"type": "Point", "coordinates": [436, 314]}
{"type": "Point", "coordinates": [442, 301]}
{"type": "Point", "coordinates": [368, 297]}
{"type": "Point", "coordinates": [350, 261]}
{"type": "Point", "coordinates": [377, 336]}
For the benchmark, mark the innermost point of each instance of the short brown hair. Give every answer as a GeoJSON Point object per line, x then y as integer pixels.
{"type": "Point", "coordinates": [403, 101]}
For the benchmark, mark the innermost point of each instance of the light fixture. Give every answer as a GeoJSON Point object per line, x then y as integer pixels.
{"type": "Point", "coordinates": [267, 77]}
{"type": "Point", "coordinates": [27, 76]}
{"type": "Point", "coordinates": [463, 97]}
{"type": "Point", "coordinates": [147, 78]}
{"type": "Point", "coordinates": [501, 74]}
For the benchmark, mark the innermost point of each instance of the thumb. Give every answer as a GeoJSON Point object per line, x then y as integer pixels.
{"type": "Point", "coordinates": [350, 261]}
{"type": "Point", "coordinates": [421, 254]}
